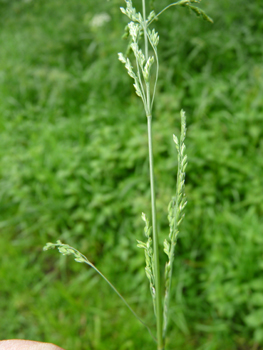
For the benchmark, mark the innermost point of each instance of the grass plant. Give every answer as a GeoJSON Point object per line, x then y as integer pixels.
{"type": "Point", "coordinates": [139, 30]}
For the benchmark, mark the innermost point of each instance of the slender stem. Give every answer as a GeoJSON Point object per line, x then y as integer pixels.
{"type": "Point", "coordinates": [159, 312]}
{"type": "Point", "coordinates": [79, 257]}
{"type": "Point", "coordinates": [121, 297]}
{"type": "Point", "coordinates": [146, 53]}
{"type": "Point", "coordinates": [157, 68]}
{"type": "Point", "coordinates": [158, 307]}
{"type": "Point", "coordinates": [182, 2]}
{"type": "Point", "coordinates": [145, 32]}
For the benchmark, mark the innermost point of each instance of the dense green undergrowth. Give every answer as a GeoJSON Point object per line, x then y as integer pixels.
{"type": "Point", "coordinates": [73, 165]}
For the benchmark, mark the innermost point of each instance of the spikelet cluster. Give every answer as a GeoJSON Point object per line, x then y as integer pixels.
{"type": "Point", "coordinates": [199, 12]}
{"type": "Point", "coordinates": [66, 249]}
{"type": "Point", "coordinates": [142, 72]}
{"type": "Point", "coordinates": [148, 250]}
{"type": "Point", "coordinates": [175, 214]}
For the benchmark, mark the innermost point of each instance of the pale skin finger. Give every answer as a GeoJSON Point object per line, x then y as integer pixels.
{"type": "Point", "coordinates": [19, 344]}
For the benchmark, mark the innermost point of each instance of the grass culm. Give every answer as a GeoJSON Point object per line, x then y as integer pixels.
{"type": "Point", "coordinates": [143, 68]}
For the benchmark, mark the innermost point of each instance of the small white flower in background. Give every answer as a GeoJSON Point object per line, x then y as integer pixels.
{"type": "Point", "coordinates": [100, 19]}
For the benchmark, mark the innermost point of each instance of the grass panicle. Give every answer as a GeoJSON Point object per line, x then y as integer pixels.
{"type": "Point", "coordinates": [66, 249]}
{"type": "Point", "coordinates": [148, 250]}
{"type": "Point", "coordinates": [175, 216]}
{"type": "Point", "coordinates": [143, 43]}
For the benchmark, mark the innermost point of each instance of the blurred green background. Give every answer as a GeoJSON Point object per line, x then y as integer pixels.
{"type": "Point", "coordinates": [73, 166]}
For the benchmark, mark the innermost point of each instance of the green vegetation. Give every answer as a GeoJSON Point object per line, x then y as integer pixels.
{"type": "Point", "coordinates": [73, 166]}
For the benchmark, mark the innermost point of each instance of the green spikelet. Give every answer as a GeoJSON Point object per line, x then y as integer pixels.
{"type": "Point", "coordinates": [143, 68]}
{"type": "Point", "coordinates": [149, 270]}
{"type": "Point", "coordinates": [175, 215]}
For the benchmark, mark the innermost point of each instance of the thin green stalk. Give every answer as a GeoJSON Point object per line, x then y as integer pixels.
{"type": "Point", "coordinates": [146, 53]}
{"type": "Point", "coordinates": [157, 68]}
{"type": "Point", "coordinates": [182, 2]}
{"type": "Point", "coordinates": [66, 249]}
{"type": "Point", "coordinates": [159, 312]}
{"type": "Point", "coordinates": [156, 259]}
